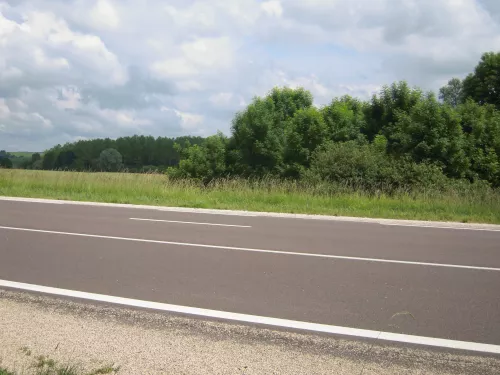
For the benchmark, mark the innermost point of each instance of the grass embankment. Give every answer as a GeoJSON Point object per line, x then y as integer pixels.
{"type": "Point", "coordinates": [463, 204]}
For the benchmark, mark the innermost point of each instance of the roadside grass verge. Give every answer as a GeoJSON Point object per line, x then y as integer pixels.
{"type": "Point", "coordinates": [461, 203]}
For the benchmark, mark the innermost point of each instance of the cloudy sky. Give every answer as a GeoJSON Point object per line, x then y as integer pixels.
{"type": "Point", "coordinates": [78, 69]}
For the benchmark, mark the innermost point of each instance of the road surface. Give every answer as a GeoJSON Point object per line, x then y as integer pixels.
{"type": "Point", "coordinates": [434, 283]}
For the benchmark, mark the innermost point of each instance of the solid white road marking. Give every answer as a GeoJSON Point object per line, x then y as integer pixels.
{"type": "Point", "coordinates": [254, 319]}
{"type": "Point", "coordinates": [192, 222]}
{"type": "Point", "coordinates": [326, 256]}
{"type": "Point", "coordinates": [358, 220]}
{"type": "Point", "coordinates": [438, 227]}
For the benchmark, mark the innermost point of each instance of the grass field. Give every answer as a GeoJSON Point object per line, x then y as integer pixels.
{"type": "Point", "coordinates": [22, 154]}
{"type": "Point", "coordinates": [467, 204]}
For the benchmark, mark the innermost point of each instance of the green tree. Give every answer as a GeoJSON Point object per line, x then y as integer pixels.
{"type": "Point", "coordinates": [49, 159]}
{"type": "Point", "coordinates": [65, 159]}
{"type": "Point", "coordinates": [483, 86]}
{"type": "Point", "coordinates": [305, 132]}
{"type": "Point", "coordinates": [37, 165]}
{"type": "Point", "coordinates": [35, 157]}
{"type": "Point", "coordinates": [452, 94]}
{"type": "Point", "coordinates": [258, 133]}
{"type": "Point", "coordinates": [345, 119]}
{"type": "Point", "coordinates": [203, 162]}
{"type": "Point", "coordinates": [5, 163]}
{"type": "Point", "coordinates": [481, 125]}
{"type": "Point", "coordinates": [110, 160]}
{"type": "Point", "coordinates": [288, 101]}
{"type": "Point", "coordinates": [430, 132]}
{"type": "Point", "coordinates": [383, 109]}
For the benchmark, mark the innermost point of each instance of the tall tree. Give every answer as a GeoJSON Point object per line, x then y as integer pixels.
{"type": "Point", "coordinates": [383, 109]}
{"type": "Point", "coordinates": [430, 132]}
{"type": "Point", "coordinates": [305, 132]}
{"type": "Point", "coordinates": [483, 86]}
{"type": "Point", "coordinates": [481, 125]}
{"type": "Point", "coordinates": [345, 118]}
{"type": "Point", "coordinates": [49, 159]}
{"type": "Point", "coordinates": [453, 93]}
{"type": "Point", "coordinates": [258, 143]}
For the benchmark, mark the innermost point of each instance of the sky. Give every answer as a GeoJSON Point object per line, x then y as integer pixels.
{"type": "Point", "coordinates": [81, 69]}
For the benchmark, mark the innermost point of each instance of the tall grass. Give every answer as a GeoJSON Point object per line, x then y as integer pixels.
{"type": "Point", "coordinates": [462, 202]}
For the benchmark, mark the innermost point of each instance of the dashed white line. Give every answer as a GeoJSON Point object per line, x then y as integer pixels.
{"type": "Point", "coordinates": [255, 214]}
{"type": "Point", "coordinates": [254, 319]}
{"type": "Point", "coordinates": [233, 248]}
{"type": "Point", "coordinates": [191, 222]}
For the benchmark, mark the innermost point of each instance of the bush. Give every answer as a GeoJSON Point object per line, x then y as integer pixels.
{"type": "Point", "coordinates": [203, 162]}
{"type": "Point", "coordinates": [367, 167]}
{"type": "Point", "coordinates": [110, 160]}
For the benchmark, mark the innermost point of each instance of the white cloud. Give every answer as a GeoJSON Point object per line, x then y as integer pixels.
{"type": "Point", "coordinates": [67, 98]}
{"type": "Point", "coordinates": [210, 52]}
{"type": "Point", "coordinates": [200, 56]}
{"type": "Point", "coordinates": [4, 109]}
{"type": "Point", "coordinates": [221, 98]}
{"type": "Point", "coordinates": [189, 121]}
{"type": "Point", "coordinates": [272, 8]}
{"type": "Point", "coordinates": [74, 69]}
{"type": "Point", "coordinates": [14, 121]}
{"type": "Point", "coordinates": [104, 15]}
{"type": "Point", "coordinates": [189, 85]}
{"type": "Point", "coordinates": [175, 68]}
{"type": "Point", "coordinates": [44, 48]}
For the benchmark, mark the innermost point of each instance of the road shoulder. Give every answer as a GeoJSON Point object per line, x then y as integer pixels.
{"type": "Point", "coordinates": [154, 343]}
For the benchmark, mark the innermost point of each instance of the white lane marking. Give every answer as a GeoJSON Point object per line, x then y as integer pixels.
{"type": "Point", "coordinates": [191, 222]}
{"type": "Point", "coordinates": [366, 220]}
{"type": "Point", "coordinates": [438, 227]}
{"type": "Point", "coordinates": [279, 252]}
{"type": "Point", "coordinates": [254, 319]}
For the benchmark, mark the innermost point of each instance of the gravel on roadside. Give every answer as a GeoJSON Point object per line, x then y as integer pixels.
{"type": "Point", "coordinates": [145, 342]}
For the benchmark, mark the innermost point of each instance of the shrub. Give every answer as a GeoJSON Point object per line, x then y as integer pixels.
{"type": "Point", "coordinates": [367, 167]}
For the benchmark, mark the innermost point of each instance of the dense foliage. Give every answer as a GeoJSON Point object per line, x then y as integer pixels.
{"type": "Point", "coordinates": [402, 137]}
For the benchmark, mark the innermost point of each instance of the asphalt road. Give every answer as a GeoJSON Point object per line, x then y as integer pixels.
{"type": "Point", "coordinates": [440, 283]}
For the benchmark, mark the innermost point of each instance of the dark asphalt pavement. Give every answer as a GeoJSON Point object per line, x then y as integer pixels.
{"type": "Point", "coordinates": [442, 302]}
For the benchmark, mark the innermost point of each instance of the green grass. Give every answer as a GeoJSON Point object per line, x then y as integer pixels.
{"type": "Point", "coordinates": [464, 203]}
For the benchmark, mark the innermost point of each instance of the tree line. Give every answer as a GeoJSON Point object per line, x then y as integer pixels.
{"type": "Point", "coordinates": [133, 154]}
{"type": "Point", "coordinates": [402, 136]}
